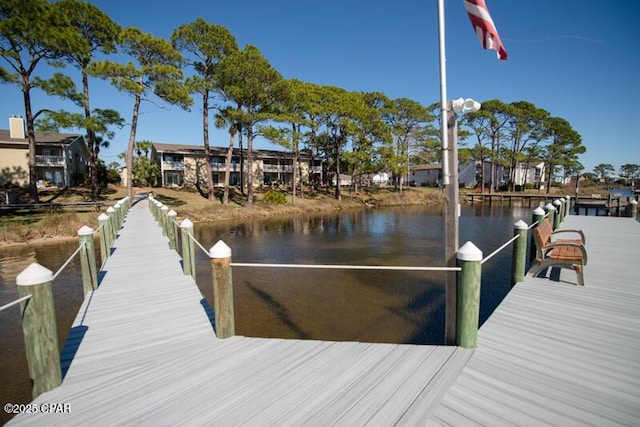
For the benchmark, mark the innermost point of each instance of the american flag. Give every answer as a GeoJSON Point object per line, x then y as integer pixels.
{"type": "Point", "coordinates": [484, 27]}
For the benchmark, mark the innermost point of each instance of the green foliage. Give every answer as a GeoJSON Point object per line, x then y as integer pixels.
{"type": "Point", "coordinates": [274, 197]}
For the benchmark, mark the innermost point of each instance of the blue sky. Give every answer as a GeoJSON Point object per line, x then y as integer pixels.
{"type": "Point", "coordinates": [579, 60]}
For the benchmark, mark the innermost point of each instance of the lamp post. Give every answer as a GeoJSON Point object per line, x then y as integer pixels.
{"type": "Point", "coordinates": [452, 206]}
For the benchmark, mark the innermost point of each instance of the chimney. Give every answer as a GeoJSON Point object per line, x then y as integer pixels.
{"type": "Point", "coordinates": [16, 127]}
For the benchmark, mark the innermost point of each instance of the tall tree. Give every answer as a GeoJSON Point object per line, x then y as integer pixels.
{"type": "Point", "coordinates": [563, 147]}
{"type": "Point", "coordinates": [604, 170]}
{"type": "Point", "coordinates": [490, 124]}
{"type": "Point", "coordinates": [97, 34]}
{"type": "Point", "coordinates": [408, 120]}
{"type": "Point", "coordinates": [157, 71]}
{"type": "Point", "coordinates": [205, 44]}
{"type": "Point", "coordinates": [526, 129]}
{"type": "Point", "coordinates": [226, 118]}
{"type": "Point", "coordinates": [33, 32]}
{"type": "Point", "coordinates": [247, 79]}
{"type": "Point", "coordinates": [630, 171]}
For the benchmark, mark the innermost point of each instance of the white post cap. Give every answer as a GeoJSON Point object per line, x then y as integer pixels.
{"type": "Point", "coordinates": [34, 274]}
{"type": "Point", "coordinates": [220, 250]}
{"type": "Point", "coordinates": [538, 211]}
{"type": "Point", "coordinates": [634, 202]}
{"type": "Point", "coordinates": [557, 202]}
{"type": "Point", "coordinates": [186, 223]}
{"type": "Point", "coordinates": [103, 217]}
{"type": "Point", "coordinates": [521, 225]}
{"type": "Point", "coordinates": [164, 208]}
{"type": "Point", "coordinates": [550, 207]}
{"type": "Point", "coordinates": [85, 230]}
{"type": "Point", "coordinates": [110, 210]}
{"type": "Point", "coordinates": [469, 252]}
{"type": "Point", "coordinates": [172, 213]}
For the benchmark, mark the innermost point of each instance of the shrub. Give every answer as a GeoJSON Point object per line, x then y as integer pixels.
{"type": "Point", "coordinates": [274, 197]}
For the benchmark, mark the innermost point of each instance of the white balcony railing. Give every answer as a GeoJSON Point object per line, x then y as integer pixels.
{"type": "Point", "coordinates": [168, 165]}
{"type": "Point", "coordinates": [42, 160]}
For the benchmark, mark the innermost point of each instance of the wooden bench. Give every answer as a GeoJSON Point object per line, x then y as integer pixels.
{"type": "Point", "coordinates": [563, 253]}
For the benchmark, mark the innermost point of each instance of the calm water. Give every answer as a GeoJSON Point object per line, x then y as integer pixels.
{"type": "Point", "coordinates": [372, 306]}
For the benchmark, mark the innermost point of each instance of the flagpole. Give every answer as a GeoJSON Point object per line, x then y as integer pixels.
{"type": "Point", "coordinates": [450, 187]}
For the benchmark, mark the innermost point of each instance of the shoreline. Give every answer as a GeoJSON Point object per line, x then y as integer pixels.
{"type": "Point", "coordinates": [263, 211]}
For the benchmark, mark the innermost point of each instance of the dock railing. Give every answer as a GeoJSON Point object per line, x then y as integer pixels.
{"type": "Point", "coordinates": [37, 309]}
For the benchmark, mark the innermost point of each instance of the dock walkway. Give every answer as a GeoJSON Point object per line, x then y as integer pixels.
{"type": "Point", "coordinates": [142, 351]}
{"type": "Point", "coordinates": [554, 353]}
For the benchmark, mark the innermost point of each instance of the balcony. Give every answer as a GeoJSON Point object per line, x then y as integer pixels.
{"type": "Point", "coordinates": [277, 168]}
{"type": "Point", "coordinates": [168, 165]}
{"type": "Point", "coordinates": [43, 160]}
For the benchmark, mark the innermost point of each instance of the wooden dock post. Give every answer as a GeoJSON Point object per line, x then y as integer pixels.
{"type": "Point", "coordinates": [40, 328]}
{"type": "Point", "coordinates": [220, 255]}
{"type": "Point", "coordinates": [519, 255]}
{"type": "Point", "coordinates": [633, 209]}
{"type": "Point", "coordinates": [550, 211]}
{"type": "Point", "coordinates": [112, 221]}
{"type": "Point", "coordinates": [557, 219]}
{"type": "Point", "coordinates": [188, 248]}
{"type": "Point", "coordinates": [88, 260]}
{"type": "Point", "coordinates": [469, 259]}
{"type": "Point", "coordinates": [164, 210]}
{"type": "Point", "coordinates": [171, 228]}
{"type": "Point", "coordinates": [538, 217]}
{"type": "Point", "coordinates": [118, 211]}
{"type": "Point", "coordinates": [105, 237]}
{"type": "Point", "coordinates": [567, 205]}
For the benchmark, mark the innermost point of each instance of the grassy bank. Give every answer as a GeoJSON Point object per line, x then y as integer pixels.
{"type": "Point", "coordinates": [31, 226]}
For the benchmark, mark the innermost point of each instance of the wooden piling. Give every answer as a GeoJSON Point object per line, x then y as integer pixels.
{"type": "Point", "coordinates": [40, 328]}
{"type": "Point", "coordinates": [557, 204]}
{"type": "Point", "coordinates": [112, 222]}
{"type": "Point", "coordinates": [538, 217]}
{"type": "Point", "coordinates": [633, 209]}
{"type": "Point", "coordinates": [519, 255]}
{"type": "Point", "coordinates": [171, 228]}
{"type": "Point", "coordinates": [164, 210]}
{"type": "Point", "coordinates": [220, 255]}
{"type": "Point", "coordinates": [469, 259]}
{"type": "Point", "coordinates": [188, 248]}
{"type": "Point", "coordinates": [105, 237]}
{"type": "Point", "coordinates": [550, 210]}
{"type": "Point", "coordinates": [88, 260]}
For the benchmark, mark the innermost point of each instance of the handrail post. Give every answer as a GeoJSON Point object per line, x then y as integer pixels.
{"type": "Point", "coordinates": [220, 255]}
{"type": "Point", "coordinates": [562, 210]}
{"type": "Point", "coordinates": [40, 328]}
{"type": "Point", "coordinates": [118, 208]}
{"type": "Point", "coordinates": [88, 260]}
{"type": "Point", "coordinates": [164, 210]}
{"type": "Point", "coordinates": [105, 237]}
{"type": "Point", "coordinates": [567, 205]}
{"type": "Point", "coordinates": [188, 248]}
{"type": "Point", "coordinates": [171, 228]}
{"type": "Point", "coordinates": [112, 222]}
{"type": "Point", "coordinates": [519, 256]}
{"type": "Point", "coordinates": [550, 210]}
{"type": "Point", "coordinates": [558, 214]}
{"type": "Point", "coordinates": [469, 259]}
{"type": "Point", "coordinates": [633, 211]}
{"type": "Point", "coordinates": [538, 217]}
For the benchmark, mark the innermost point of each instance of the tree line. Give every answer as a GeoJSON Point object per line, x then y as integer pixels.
{"type": "Point", "coordinates": [355, 133]}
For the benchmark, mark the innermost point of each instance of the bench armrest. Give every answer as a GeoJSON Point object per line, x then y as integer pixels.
{"type": "Point", "coordinates": [580, 232]}
{"type": "Point", "coordinates": [580, 247]}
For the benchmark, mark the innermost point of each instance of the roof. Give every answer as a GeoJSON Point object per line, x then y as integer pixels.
{"type": "Point", "coordinates": [41, 138]}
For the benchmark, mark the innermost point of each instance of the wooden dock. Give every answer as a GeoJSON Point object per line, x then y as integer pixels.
{"type": "Point", "coordinates": [558, 354]}
{"type": "Point", "coordinates": [143, 351]}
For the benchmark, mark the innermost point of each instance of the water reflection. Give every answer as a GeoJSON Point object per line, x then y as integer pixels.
{"type": "Point", "coordinates": [373, 306]}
